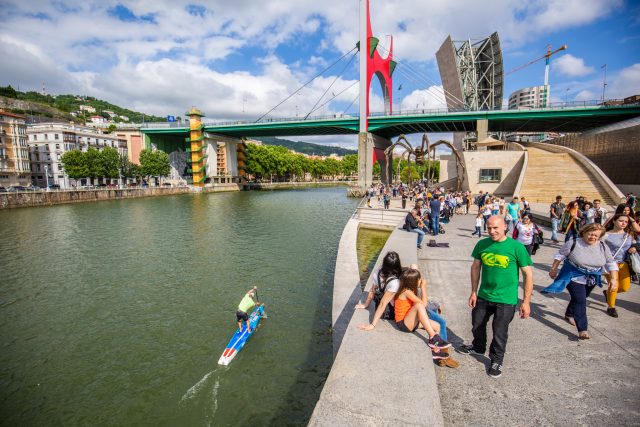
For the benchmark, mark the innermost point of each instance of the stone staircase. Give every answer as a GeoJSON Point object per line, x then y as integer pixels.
{"type": "Point", "coordinates": [549, 174]}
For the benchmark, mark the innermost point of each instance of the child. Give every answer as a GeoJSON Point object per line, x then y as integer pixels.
{"type": "Point", "coordinates": [245, 306]}
{"type": "Point", "coordinates": [410, 311]}
{"type": "Point", "coordinates": [479, 221]}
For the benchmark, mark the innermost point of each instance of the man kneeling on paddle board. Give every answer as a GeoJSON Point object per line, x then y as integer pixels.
{"type": "Point", "coordinates": [246, 305]}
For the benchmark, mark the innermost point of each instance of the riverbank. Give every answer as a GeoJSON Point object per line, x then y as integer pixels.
{"type": "Point", "coordinates": [292, 185]}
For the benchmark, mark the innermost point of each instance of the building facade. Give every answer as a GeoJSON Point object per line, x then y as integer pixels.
{"type": "Point", "coordinates": [47, 142]}
{"type": "Point", "coordinates": [530, 97]}
{"type": "Point", "coordinates": [14, 152]}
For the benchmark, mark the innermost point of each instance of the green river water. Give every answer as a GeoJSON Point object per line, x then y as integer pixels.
{"type": "Point", "coordinates": [115, 313]}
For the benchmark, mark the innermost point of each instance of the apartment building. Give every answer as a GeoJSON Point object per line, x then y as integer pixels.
{"type": "Point", "coordinates": [530, 97]}
{"type": "Point", "coordinates": [14, 152]}
{"type": "Point", "coordinates": [49, 141]}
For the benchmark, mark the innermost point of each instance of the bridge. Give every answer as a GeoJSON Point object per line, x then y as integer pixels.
{"type": "Point", "coordinates": [560, 118]}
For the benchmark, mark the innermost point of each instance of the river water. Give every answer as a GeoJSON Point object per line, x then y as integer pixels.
{"type": "Point", "coordinates": [115, 313]}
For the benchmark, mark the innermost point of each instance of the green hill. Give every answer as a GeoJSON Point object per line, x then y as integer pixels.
{"type": "Point", "coordinates": [307, 147]}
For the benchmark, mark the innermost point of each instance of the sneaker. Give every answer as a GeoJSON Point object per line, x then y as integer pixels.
{"type": "Point", "coordinates": [437, 342]}
{"type": "Point", "coordinates": [437, 354]}
{"type": "Point", "coordinates": [495, 370]}
{"type": "Point", "coordinates": [612, 312]}
{"type": "Point", "coordinates": [468, 349]}
{"type": "Point", "coordinates": [419, 246]}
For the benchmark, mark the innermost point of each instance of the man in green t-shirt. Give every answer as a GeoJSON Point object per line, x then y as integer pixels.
{"type": "Point", "coordinates": [246, 304]}
{"type": "Point", "coordinates": [498, 257]}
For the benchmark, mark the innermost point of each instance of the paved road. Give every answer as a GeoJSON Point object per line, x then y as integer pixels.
{"type": "Point", "coordinates": [549, 376]}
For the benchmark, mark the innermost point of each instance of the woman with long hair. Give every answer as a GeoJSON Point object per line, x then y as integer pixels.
{"type": "Point", "coordinates": [624, 209]}
{"type": "Point", "coordinates": [621, 239]}
{"type": "Point", "coordinates": [585, 260]}
{"type": "Point", "coordinates": [571, 220]}
{"type": "Point", "coordinates": [386, 282]}
{"type": "Point", "coordinates": [411, 312]}
{"type": "Point", "coordinates": [525, 232]}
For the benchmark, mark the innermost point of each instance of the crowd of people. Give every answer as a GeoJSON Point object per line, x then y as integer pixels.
{"type": "Point", "coordinates": [600, 249]}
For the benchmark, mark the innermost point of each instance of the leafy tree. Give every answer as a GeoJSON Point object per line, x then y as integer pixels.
{"type": "Point", "coordinates": [8, 91]}
{"type": "Point", "coordinates": [154, 163]}
{"type": "Point", "coordinates": [112, 127]}
{"type": "Point", "coordinates": [350, 164]}
{"type": "Point", "coordinates": [110, 162]}
{"type": "Point", "coordinates": [404, 174]}
{"type": "Point", "coordinates": [94, 164]}
{"type": "Point", "coordinates": [74, 164]}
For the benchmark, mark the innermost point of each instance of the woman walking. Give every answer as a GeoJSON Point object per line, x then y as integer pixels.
{"type": "Point", "coordinates": [525, 232]}
{"type": "Point", "coordinates": [585, 260]}
{"type": "Point", "coordinates": [570, 222]}
{"type": "Point", "coordinates": [621, 238]}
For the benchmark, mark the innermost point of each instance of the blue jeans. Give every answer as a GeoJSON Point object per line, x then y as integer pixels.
{"type": "Point", "coordinates": [554, 228]}
{"type": "Point", "coordinates": [420, 235]}
{"type": "Point", "coordinates": [486, 218]}
{"type": "Point", "coordinates": [478, 230]}
{"type": "Point", "coordinates": [435, 224]}
{"type": "Point", "coordinates": [578, 304]}
{"type": "Point", "coordinates": [571, 234]}
{"type": "Point", "coordinates": [433, 315]}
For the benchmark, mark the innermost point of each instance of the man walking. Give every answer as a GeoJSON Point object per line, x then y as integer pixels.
{"type": "Point", "coordinates": [498, 258]}
{"type": "Point", "coordinates": [555, 212]}
{"type": "Point", "coordinates": [436, 205]}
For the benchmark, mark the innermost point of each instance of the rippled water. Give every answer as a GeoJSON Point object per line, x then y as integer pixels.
{"type": "Point", "coordinates": [115, 313]}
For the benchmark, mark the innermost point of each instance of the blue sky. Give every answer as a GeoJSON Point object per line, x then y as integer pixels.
{"type": "Point", "coordinates": [236, 60]}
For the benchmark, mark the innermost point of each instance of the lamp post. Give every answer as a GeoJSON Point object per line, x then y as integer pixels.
{"type": "Point", "coordinates": [120, 177]}
{"type": "Point", "coordinates": [46, 174]}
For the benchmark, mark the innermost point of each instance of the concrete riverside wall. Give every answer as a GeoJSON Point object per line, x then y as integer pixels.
{"type": "Point", "coordinates": [43, 198]}
{"type": "Point", "coordinates": [382, 377]}
{"type": "Point", "coordinates": [290, 185]}
{"type": "Point", "coordinates": [509, 161]}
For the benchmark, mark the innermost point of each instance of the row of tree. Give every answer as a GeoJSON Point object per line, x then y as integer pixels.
{"type": "Point", "coordinates": [265, 161]}
{"type": "Point", "coordinates": [108, 163]}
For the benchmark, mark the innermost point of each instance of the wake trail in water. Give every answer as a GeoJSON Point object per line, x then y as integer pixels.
{"type": "Point", "coordinates": [193, 391]}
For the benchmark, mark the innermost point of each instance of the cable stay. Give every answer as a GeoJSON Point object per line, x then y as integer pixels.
{"type": "Point", "coordinates": [306, 84]}
{"type": "Point", "coordinates": [352, 102]}
{"type": "Point", "coordinates": [334, 97]}
{"type": "Point", "coordinates": [332, 83]}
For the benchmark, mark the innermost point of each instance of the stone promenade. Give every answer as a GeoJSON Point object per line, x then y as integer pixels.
{"type": "Point", "coordinates": [549, 376]}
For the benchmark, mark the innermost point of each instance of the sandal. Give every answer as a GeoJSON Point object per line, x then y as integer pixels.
{"type": "Point", "coordinates": [570, 320]}
{"type": "Point", "coordinates": [584, 335]}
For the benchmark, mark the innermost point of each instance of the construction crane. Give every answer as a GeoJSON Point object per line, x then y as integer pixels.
{"type": "Point", "coordinates": [546, 67]}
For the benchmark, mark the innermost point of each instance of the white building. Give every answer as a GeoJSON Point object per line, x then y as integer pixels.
{"type": "Point", "coordinates": [98, 120]}
{"type": "Point", "coordinates": [48, 141]}
{"type": "Point", "coordinates": [87, 108]}
{"type": "Point", "coordinates": [530, 97]}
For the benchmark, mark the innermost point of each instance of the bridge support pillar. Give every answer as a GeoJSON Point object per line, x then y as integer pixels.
{"type": "Point", "coordinates": [365, 160]}
{"type": "Point", "coordinates": [482, 130]}
{"type": "Point", "coordinates": [371, 149]}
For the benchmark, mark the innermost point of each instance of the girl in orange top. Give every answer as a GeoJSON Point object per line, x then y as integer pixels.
{"type": "Point", "coordinates": [411, 313]}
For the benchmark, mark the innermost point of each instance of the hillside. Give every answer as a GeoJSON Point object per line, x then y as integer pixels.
{"type": "Point", "coordinates": [307, 147]}
{"type": "Point", "coordinates": [60, 107]}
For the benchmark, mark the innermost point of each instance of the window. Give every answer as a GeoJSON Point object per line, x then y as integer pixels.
{"type": "Point", "coordinates": [490, 175]}
{"type": "Point", "coordinates": [56, 136]}
{"type": "Point", "coordinates": [46, 136]}
{"type": "Point", "coordinates": [57, 146]}
{"type": "Point", "coordinates": [35, 137]}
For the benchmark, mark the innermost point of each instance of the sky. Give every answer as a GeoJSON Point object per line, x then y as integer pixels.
{"type": "Point", "coordinates": [237, 59]}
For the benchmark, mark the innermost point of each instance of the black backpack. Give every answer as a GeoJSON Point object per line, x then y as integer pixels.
{"type": "Point", "coordinates": [379, 292]}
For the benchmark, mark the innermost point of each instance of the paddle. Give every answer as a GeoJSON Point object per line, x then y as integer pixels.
{"type": "Point", "coordinates": [264, 313]}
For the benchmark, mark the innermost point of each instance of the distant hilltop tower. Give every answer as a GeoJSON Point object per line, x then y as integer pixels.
{"type": "Point", "coordinates": [472, 75]}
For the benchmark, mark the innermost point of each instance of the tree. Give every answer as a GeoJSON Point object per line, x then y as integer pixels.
{"type": "Point", "coordinates": [8, 91]}
{"type": "Point", "coordinates": [112, 127]}
{"type": "Point", "coordinates": [154, 163]}
{"type": "Point", "coordinates": [110, 162]}
{"type": "Point", "coordinates": [350, 164]}
{"type": "Point", "coordinates": [94, 164]}
{"type": "Point", "coordinates": [404, 174]}
{"type": "Point", "coordinates": [75, 164]}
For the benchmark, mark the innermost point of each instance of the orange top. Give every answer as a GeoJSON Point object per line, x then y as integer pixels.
{"type": "Point", "coordinates": [401, 308]}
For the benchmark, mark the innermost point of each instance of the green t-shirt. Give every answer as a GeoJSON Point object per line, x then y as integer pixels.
{"type": "Point", "coordinates": [500, 263]}
{"type": "Point", "coordinates": [246, 304]}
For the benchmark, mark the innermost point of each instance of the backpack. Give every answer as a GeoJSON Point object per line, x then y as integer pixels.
{"type": "Point", "coordinates": [378, 294]}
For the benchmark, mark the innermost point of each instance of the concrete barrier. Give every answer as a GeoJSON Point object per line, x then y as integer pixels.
{"type": "Point", "coordinates": [49, 198]}
{"type": "Point", "coordinates": [379, 378]}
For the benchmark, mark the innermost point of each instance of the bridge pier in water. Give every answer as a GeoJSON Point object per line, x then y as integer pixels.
{"type": "Point", "coordinates": [370, 147]}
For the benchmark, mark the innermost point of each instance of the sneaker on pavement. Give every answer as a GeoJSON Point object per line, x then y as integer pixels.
{"type": "Point", "coordinates": [495, 370]}
{"type": "Point", "coordinates": [437, 342]}
{"type": "Point", "coordinates": [611, 311]}
{"type": "Point", "coordinates": [437, 354]}
{"type": "Point", "coordinates": [468, 349]}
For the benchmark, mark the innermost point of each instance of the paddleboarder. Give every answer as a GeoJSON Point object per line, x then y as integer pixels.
{"type": "Point", "coordinates": [246, 305]}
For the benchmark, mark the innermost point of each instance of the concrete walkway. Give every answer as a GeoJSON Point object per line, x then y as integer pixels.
{"type": "Point", "coordinates": [549, 377]}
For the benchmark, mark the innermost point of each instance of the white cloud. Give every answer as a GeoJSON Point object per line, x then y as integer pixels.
{"type": "Point", "coordinates": [625, 83]}
{"type": "Point", "coordinates": [571, 66]}
{"type": "Point", "coordinates": [585, 95]}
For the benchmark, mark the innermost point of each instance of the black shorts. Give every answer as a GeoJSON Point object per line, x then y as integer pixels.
{"type": "Point", "coordinates": [242, 316]}
{"type": "Point", "coordinates": [403, 327]}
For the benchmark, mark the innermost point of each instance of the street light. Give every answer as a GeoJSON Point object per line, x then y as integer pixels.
{"type": "Point", "coordinates": [46, 174]}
